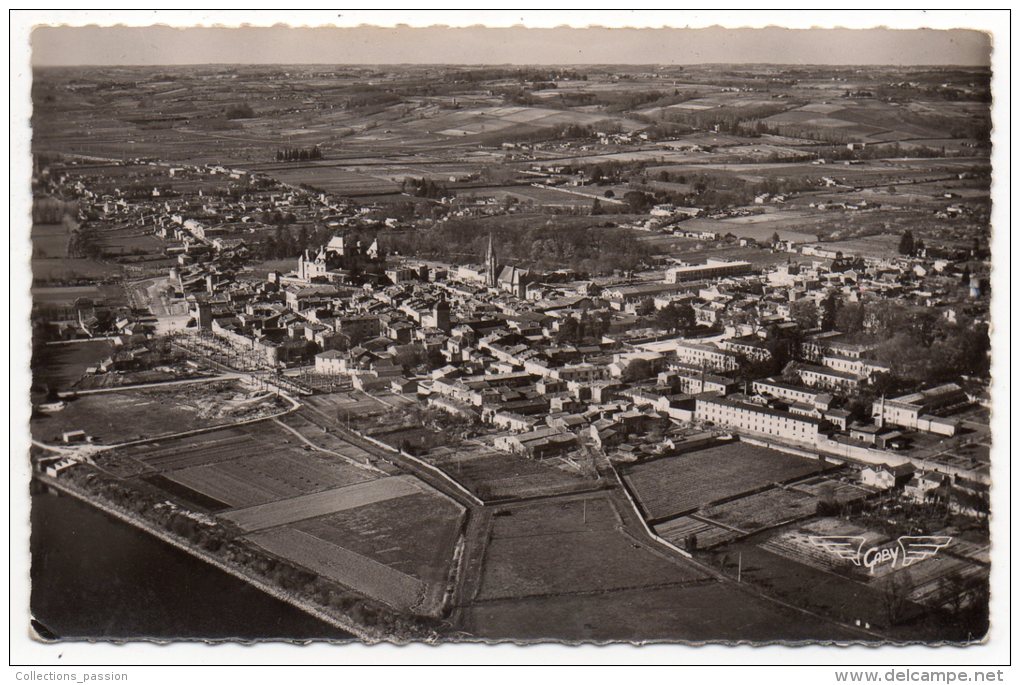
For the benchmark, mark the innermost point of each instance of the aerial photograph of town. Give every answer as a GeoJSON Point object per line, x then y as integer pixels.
{"type": "Point", "coordinates": [456, 352]}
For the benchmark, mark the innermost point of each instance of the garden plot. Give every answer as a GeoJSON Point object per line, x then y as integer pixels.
{"type": "Point", "coordinates": [357, 572]}
{"type": "Point", "coordinates": [676, 485]}
{"type": "Point", "coordinates": [323, 503]}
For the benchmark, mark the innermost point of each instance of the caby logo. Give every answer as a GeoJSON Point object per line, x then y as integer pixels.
{"type": "Point", "coordinates": [908, 549]}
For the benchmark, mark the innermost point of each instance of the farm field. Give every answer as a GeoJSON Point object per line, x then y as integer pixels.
{"type": "Point", "coordinates": [125, 415]}
{"type": "Point", "coordinates": [762, 510]}
{"type": "Point", "coordinates": [358, 572]}
{"type": "Point", "coordinates": [701, 612]}
{"type": "Point", "coordinates": [554, 550]}
{"type": "Point", "coordinates": [316, 430]}
{"type": "Point", "coordinates": [414, 534]}
{"type": "Point", "coordinates": [494, 475]}
{"type": "Point", "coordinates": [270, 475]}
{"type": "Point", "coordinates": [707, 535]}
{"type": "Point", "coordinates": [284, 511]}
{"type": "Point", "coordinates": [66, 295]}
{"type": "Point", "coordinates": [834, 490]}
{"type": "Point", "coordinates": [60, 366]}
{"type": "Point", "coordinates": [332, 179]}
{"type": "Point", "coordinates": [674, 485]}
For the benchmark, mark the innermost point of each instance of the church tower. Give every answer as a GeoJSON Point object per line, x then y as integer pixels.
{"type": "Point", "coordinates": [491, 269]}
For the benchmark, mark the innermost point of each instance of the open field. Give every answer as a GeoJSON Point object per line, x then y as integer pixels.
{"type": "Point", "coordinates": [357, 572]}
{"type": "Point", "coordinates": [762, 510]}
{"type": "Point", "coordinates": [553, 550]}
{"type": "Point", "coordinates": [497, 475]}
{"type": "Point", "coordinates": [414, 534]}
{"type": "Point", "coordinates": [707, 535]}
{"type": "Point", "coordinates": [284, 511]}
{"type": "Point", "coordinates": [696, 613]}
{"type": "Point", "coordinates": [61, 366]}
{"type": "Point", "coordinates": [124, 415]}
{"type": "Point", "coordinates": [674, 485]}
{"type": "Point", "coordinates": [834, 490]}
{"type": "Point", "coordinates": [268, 476]}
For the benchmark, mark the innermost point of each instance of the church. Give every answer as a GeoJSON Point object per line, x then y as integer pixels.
{"type": "Point", "coordinates": [507, 277]}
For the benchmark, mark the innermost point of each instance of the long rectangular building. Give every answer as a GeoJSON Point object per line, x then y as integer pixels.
{"type": "Point", "coordinates": [755, 419]}
{"type": "Point", "coordinates": [711, 357]}
{"type": "Point", "coordinates": [713, 268]}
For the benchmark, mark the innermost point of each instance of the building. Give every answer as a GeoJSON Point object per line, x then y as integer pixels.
{"type": "Point", "coordinates": [713, 268]}
{"type": "Point", "coordinates": [886, 477]}
{"type": "Point", "coordinates": [830, 379]}
{"type": "Point", "coordinates": [914, 411]}
{"type": "Point", "coordinates": [773, 387]}
{"type": "Point", "coordinates": [708, 356]}
{"type": "Point", "coordinates": [756, 419]}
{"type": "Point", "coordinates": [537, 444]}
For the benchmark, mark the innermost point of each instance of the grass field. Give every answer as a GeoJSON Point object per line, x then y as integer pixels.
{"type": "Point", "coordinates": [762, 510]}
{"type": "Point", "coordinates": [414, 534]}
{"type": "Point", "coordinates": [125, 415]}
{"type": "Point", "coordinates": [698, 613]}
{"type": "Point", "coordinates": [550, 548]}
{"type": "Point", "coordinates": [267, 476]}
{"type": "Point", "coordinates": [674, 485]}
{"type": "Point", "coordinates": [496, 475]}
{"type": "Point", "coordinates": [316, 504]}
{"type": "Point", "coordinates": [60, 366]}
{"type": "Point", "coordinates": [358, 572]}
{"type": "Point", "coordinates": [707, 534]}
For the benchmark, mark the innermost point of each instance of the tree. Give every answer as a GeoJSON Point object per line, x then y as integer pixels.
{"type": "Point", "coordinates": [676, 317]}
{"type": "Point", "coordinates": [850, 318]}
{"type": "Point", "coordinates": [895, 591]}
{"type": "Point", "coordinates": [569, 330]}
{"type": "Point", "coordinates": [805, 313]}
{"type": "Point", "coordinates": [638, 370]}
{"type": "Point", "coordinates": [596, 207]}
{"type": "Point", "coordinates": [906, 243]}
{"type": "Point", "coordinates": [646, 307]}
{"type": "Point", "coordinates": [830, 308]}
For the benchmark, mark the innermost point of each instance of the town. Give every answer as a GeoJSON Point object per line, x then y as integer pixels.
{"type": "Point", "coordinates": [444, 375]}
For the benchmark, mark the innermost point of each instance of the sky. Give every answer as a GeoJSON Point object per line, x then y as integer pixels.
{"type": "Point", "coordinates": [164, 45]}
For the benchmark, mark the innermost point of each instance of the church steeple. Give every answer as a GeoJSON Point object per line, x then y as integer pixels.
{"type": "Point", "coordinates": [491, 269]}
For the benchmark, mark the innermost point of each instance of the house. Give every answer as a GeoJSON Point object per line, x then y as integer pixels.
{"type": "Point", "coordinates": [537, 444]}
{"type": "Point", "coordinates": [886, 477]}
{"type": "Point", "coordinates": [920, 487]}
{"type": "Point", "coordinates": [74, 436]}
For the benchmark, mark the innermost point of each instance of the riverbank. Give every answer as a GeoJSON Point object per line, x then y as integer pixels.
{"type": "Point", "coordinates": [336, 621]}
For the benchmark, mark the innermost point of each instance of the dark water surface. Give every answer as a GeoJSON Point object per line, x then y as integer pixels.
{"type": "Point", "coordinates": [94, 576]}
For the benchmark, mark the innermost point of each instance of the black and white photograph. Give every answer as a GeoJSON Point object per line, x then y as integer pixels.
{"type": "Point", "coordinates": [444, 335]}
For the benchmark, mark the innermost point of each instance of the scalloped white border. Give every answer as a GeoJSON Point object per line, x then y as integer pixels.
{"type": "Point", "coordinates": [24, 650]}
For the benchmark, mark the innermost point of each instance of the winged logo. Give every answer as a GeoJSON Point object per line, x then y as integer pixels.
{"type": "Point", "coordinates": [849, 547]}
{"type": "Point", "coordinates": [909, 549]}
{"type": "Point", "coordinates": [920, 547]}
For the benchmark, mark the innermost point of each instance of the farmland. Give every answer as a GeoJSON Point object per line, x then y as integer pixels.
{"type": "Point", "coordinates": [124, 415]}
{"type": "Point", "coordinates": [690, 613]}
{"type": "Point", "coordinates": [577, 552]}
{"type": "Point", "coordinates": [358, 572]}
{"type": "Point", "coordinates": [283, 511]}
{"type": "Point", "coordinates": [267, 477]}
{"type": "Point", "coordinates": [60, 366]}
{"type": "Point", "coordinates": [497, 475]}
{"type": "Point", "coordinates": [674, 485]}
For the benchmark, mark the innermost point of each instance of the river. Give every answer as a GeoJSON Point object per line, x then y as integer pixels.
{"type": "Point", "coordinates": [94, 576]}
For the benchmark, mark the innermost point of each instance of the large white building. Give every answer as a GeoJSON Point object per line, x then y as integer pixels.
{"type": "Point", "coordinates": [713, 268]}
{"type": "Point", "coordinates": [756, 419]}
